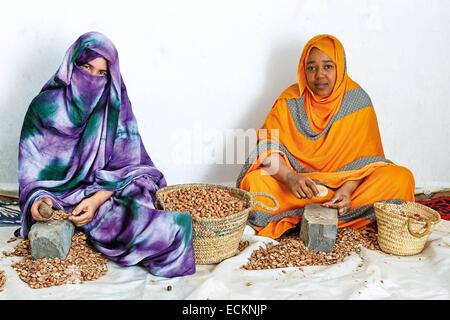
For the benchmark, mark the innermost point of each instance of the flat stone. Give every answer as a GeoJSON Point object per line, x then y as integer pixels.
{"type": "Point", "coordinates": [319, 228]}
{"type": "Point", "coordinates": [51, 239]}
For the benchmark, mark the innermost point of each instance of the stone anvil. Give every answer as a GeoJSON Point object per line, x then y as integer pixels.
{"type": "Point", "coordinates": [319, 228]}
{"type": "Point", "coordinates": [50, 238]}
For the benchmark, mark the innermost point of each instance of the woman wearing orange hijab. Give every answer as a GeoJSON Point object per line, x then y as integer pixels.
{"type": "Point", "coordinates": [322, 131]}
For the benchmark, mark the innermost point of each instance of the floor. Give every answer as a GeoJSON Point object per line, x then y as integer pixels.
{"type": "Point", "coordinates": [369, 275]}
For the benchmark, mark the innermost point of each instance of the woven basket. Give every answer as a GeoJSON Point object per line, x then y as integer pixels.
{"type": "Point", "coordinates": [216, 239]}
{"type": "Point", "coordinates": [404, 236]}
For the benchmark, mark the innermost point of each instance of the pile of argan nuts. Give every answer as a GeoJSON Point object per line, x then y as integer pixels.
{"type": "Point", "coordinates": [204, 202]}
{"type": "Point", "coordinates": [81, 264]}
{"type": "Point", "coordinates": [243, 245]}
{"type": "Point", "coordinates": [59, 215]}
{"type": "Point", "coordinates": [291, 251]}
{"type": "Point", "coordinates": [2, 280]}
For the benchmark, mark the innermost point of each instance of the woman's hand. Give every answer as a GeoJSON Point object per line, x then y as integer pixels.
{"type": "Point", "coordinates": [342, 200]}
{"type": "Point", "coordinates": [84, 212]}
{"type": "Point", "coordinates": [34, 209]}
{"type": "Point", "coordinates": [298, 185]}
{"type": "Point", "coordinates": [88, 207]}
{"type": "Point", "coordinates": [301, 186]}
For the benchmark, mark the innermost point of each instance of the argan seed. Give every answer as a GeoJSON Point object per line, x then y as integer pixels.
{"type": "Point", "coordinates": [2, 280]}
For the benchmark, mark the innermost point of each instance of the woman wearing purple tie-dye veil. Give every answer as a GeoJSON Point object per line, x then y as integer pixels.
{"type": "Point", "coordinates": [80, 151]}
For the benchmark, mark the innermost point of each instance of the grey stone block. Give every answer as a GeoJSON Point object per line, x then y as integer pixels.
{"type": "Point", "coordinates": [319, 228]}
{"type": "Point", "coordinates": [51, 239]}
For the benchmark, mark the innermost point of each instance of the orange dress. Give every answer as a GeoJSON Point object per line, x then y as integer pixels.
{"type": "Point", "coordinates": [331, 140]}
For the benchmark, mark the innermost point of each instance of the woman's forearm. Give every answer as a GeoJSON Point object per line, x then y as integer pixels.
{"type": "Point", "coordinates": [102, 195]}
{"type": "Point", "coordinates": [276, 166]}
{"type": "Point", "coordinates": [351, 185]}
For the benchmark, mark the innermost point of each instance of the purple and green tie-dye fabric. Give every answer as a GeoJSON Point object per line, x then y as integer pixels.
{"type": "Point", "coordinates": [80, 136]}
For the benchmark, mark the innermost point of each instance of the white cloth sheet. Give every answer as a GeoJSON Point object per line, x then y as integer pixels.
{"type": "Point", "coordinates": [369, 275]}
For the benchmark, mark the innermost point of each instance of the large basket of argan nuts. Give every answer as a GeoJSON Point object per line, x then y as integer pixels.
{"type": "Point", "coordinates": [403, 229]}
{"type": "Point", "coordinates": [219, 214]}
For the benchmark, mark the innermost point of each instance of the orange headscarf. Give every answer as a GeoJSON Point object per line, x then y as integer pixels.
{"type": "Point", "coordinates": [318, 109]}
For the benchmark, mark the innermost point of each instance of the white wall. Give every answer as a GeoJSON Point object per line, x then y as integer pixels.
{"type": "Point", "coordinates": [221, 64]}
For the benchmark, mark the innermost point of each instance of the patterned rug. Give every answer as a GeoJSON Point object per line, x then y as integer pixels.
{"type": "Point", "coordinates": [9, 211]}
{"type": "Point", "coordinates": [440, 204]}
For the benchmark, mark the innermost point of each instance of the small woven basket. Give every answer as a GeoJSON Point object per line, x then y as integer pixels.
{"type": "Point", "coordinates": [404, 235]}
{"type": "Point", "coordinates": [216, 239]}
